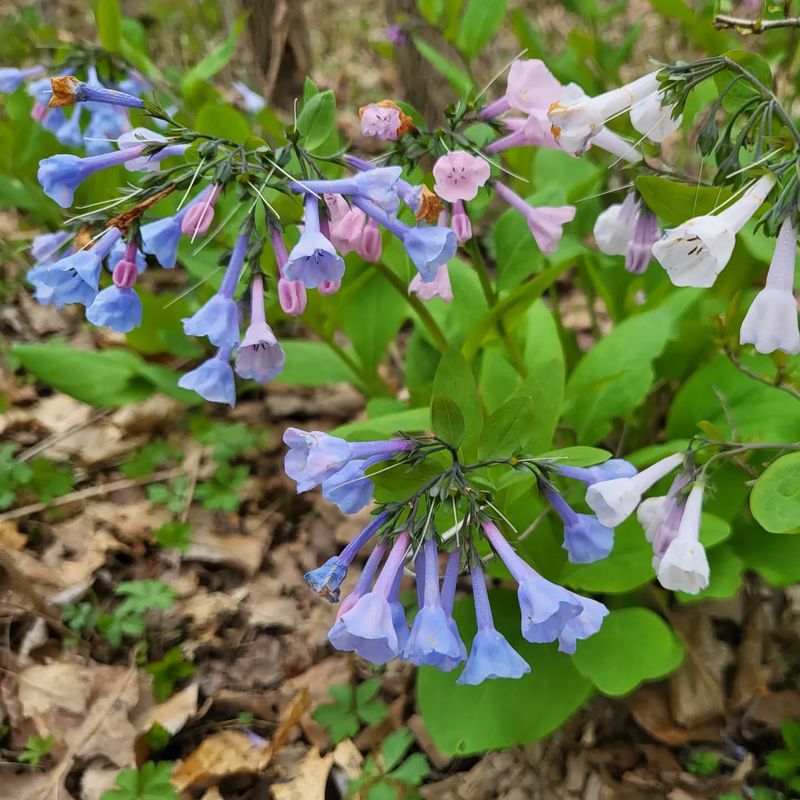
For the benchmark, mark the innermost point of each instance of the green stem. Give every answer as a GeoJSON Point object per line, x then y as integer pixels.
{"type": "Point", "coordinates": [425, 316]}
{"type": "Point", "coordinates": [479, 262]}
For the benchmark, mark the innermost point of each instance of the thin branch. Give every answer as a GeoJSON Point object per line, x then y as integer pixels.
{"type": "Point", "coordinates": [723, 21]}
{"type": "Point", "coordinates": [761, 378]}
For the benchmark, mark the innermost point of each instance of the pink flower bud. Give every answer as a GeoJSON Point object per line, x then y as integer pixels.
{"type": "Point", "coordinates": [125, 274]}
{"type": "Point", "coordinates": [370, 246]}
{"type": "Point", "coordinates": [460, 223]}
{"type": "Point", "coordinates": [200, 215]}
{"type": "Point", "coordinates": [292, 297]}
{"type": "Point", "coordinates": [346, 232]}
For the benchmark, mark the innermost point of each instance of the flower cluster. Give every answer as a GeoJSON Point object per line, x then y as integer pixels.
{"type": "Point", "coordinates": [100, 119]}
{"type": "Point", "coordinates": [371, 620]}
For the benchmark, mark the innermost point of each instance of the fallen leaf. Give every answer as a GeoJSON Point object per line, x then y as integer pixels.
{"type": "Point", "coordinates": [173, 714]}
{"type": "Point", "coordinates": [649, 707]}
{"type": "Point", "coordinates": [310, 781]}
{"type": "Point", "coordinates": [218, 756]}
{"type": "Point", "coordinates": [242, 552]}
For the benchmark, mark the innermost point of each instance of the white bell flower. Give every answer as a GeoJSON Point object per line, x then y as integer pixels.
{"type": "Point", "coordinates": [771, 321]}
{"type": "Point", "coordinates": [684, 565]}
{"type": "Point", "coordinates": [615, 500]}
{"type": "Point", "coordinates": [614, 227]}
{"type": "Point", "coordinates": [654, 120]}
{"type": "Point", "coordinates": [695, 252]}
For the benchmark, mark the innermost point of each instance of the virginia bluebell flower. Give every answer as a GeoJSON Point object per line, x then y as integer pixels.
{"type": "Point", "coordinates": [45, 246]}
{"type": "Point", "coordinates": [370, 246]}
{"type": "Point", "coordinates": [118, 307]}
{"type": "Point", "coordinates": [346, 224]}
{"type": "Point", "coordinates": [378, 186]}
{"type": "Point", "coordinates": [252, 101]}
{"type": "Point", "coordinates": [313, 259]}
{"type": "Point", "coordinates": [615, 500]}
{"type": "Point", "coordinates": [218, 319]}
{"type": "Point", "coordinates": [213, 380]}
{"type": "Point", "coordinates": [121, 250]}
{"type": "Point", "coordinates": [291, 294]}
{"type": "Point", "coordinates": [545, 222]}
{"type": "Point", "coordinates": [12, 78]}
{"type": "Point", "coordinates": [326, 579]}
{"type": "Point", "coordinates": [661, 516]}
{"type": "Point", "coordinates": [431, 642]}
{"type": "Point", "coordinates": [75, 277]}
{"type": "Point", "coordinates": [369, 626]}
{"type": "Point", "coordinates": [585, 539]}
{"type": "Point", "coordinates": [60, 175]}
{"type": "Point", "coordinates": [427, 246]}
{"type": "Point", "coordinates": [315, 456]}
{"type": "Point", "coordinates": [68, 90]}
{"type": "Point", "coordinates": [398, 613]}
{"type": "Point", "coordinates": [350, 488]}
{"type": "Point", "coordinates": [338, 635]}
{"type": "Point", "coordinates": [586, 624]}
{"type": "Point", "coordinates": [684, 565]}
{"type": "Point", "coordinates": [143, 136]}
{"type": "Point", "coordinates": [259, 357]}
{"type": "Point", "coordinates": [546, 608]}
{"type": "Point", "coordinates": [200, 213]}
{"type": "Point", "coordinates": [771, 321]}
{"type": "Point", "coordinates": [491, 656]}
{"type": "Point", "coordinates": [161, 238]}
{"type": "Point", "coordinates": [448, 597]}
{"type": "Point", "coordinates": [608, 470]}
{"type": "Point", "coordinates": [696, 251]}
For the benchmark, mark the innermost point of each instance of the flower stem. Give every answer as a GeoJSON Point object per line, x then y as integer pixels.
{"type": "Point", "coordinates": [479, 262]}
{"type": "Point", "coordinates": [425, 316]}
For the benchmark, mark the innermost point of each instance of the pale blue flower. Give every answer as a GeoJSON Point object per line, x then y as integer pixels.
{"type": "Point", "coordinates": [213, 380]}
{"type": "Point", "coordinates": [117, 308]}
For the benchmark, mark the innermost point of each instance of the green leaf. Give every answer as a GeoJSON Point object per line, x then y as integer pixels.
{"type": "Point", "coordinates": [614, 377]}
{"type": "Point", "coordinates": [459, 79]}
{"type": "Point", "coordinates": [577, 456]}
{"type": "Point", "coordinates": [151, 782]}
{"type": "Point", "coordinates": [447, 420]}
{"type": "Point", "coordinates": [508, 429]}
{"type": "Point", "coordinates": [377, 312]}
{"type": "Point", "coordinates": [316, 121]}
{"type": "Point", "coordinates": [313, 364]}
{"type": "Point", "coordinates": [222, 121]}
{"type": "Point", "coordinates": [463, 720]}
{"type": "Point", "coordinates": [516, 301]}
{"type": "Point", "coordinates": [632, 646]}
{"type": "Point", "coordinates": [742, 91]}
{"type": "Point", "coordinates": [675, 202]}
{"type": "Point", "coordinates": [412, 420]}
{"type": "Point", "coordinates": [109, 27]}
{"type": "Point", "coordinates": [454, 380]}
{"type": "Point", "coordinates": [479, 24]}
{"type": "Point", "coordinates": [413, 770]}
{"type": "Point", "coordinates": [174, 534]}
{"type": "Point", "coordinates": [218, 58]}
{"type": "Point", "coordinates": [395, 746]}
{"type": "Point", "coordinates": [775, 500]}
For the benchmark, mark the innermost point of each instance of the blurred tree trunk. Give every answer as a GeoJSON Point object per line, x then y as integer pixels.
{"type": "Point", "coordinates": [282, 47]}
{"type": "Point", "coordinates": [426, 90]}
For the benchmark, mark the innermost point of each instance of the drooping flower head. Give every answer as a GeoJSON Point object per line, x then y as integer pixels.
{"type": "Point", "coordinates": [218, 319]}
{"type": "Point", "coordinates": [695, 252]}
{"type": "Point", "coordinates": [313, 259]}
{"type": "Point", "coordinates": [585, 539]}
{"type": "Point", "coordinates": [118, 307]}
{"type": "Point", "coordinates": [259, 357]}
{"type": "Point", "coordinates": [771, 321]}
{"type": "Point", "coordinates": [546, 223]}
{"type": "Point", "coordinates": [200, 214]}
{"type": "Point", "coordinates": [327, 579]}
{"type": "Point", "coordinates": [213, 380]}
{"type": "Point", "coordinates": [615, 500]}
{"type": "Point", "coordinates": [491, 656]}
{"type": "Point", "coordinates": [684, 565]}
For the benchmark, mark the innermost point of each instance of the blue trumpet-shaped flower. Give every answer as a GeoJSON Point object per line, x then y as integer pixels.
{"type": "Point", "coordinates": [313, 259]}
{"type": "Point", "coordinates": [368, 627]}
{"type": "Point", "coordinates": [218, 319]}
{"type": "Point", "coordinates": [213, 380]}
{"type": "Point", "coordinates": [586, 624]}
{"type": "Point", "coordinates": [161, 239]}
{"type": "Point", "coordinates": [607, 471]}
{"type": "Point", "coordinates": [585, 539]}
{"type": "Point", "coordinates": [326, 579]}
{"type": "Point", "coordinates": [117, 253]}
{"type": "Point", "coordinates": [350, 488]}
{"type": "Point", "coordinates": [117, 308]}
{"type": "Point", "coordinates": [378, 186]}
{"type": "Point", "coordinates": [491, 656]}
{"type": "Point", "coordinates": [74, 278]}
{"type": "Point", "coordinates": [431, 642]}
